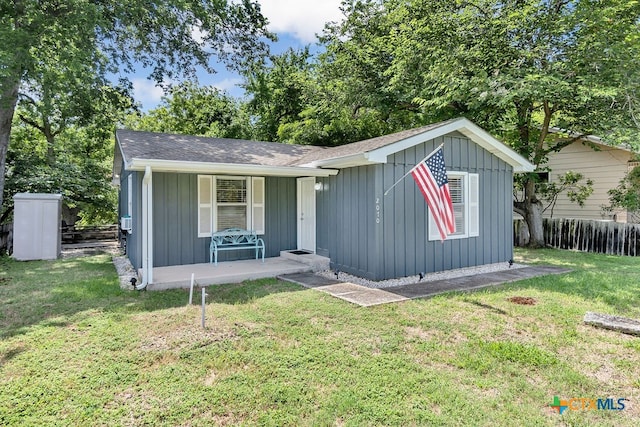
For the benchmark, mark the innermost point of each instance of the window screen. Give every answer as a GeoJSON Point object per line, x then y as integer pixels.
{"type": "Point", "coordinates": [231, 190]}
{"type": "Point", "coordinates": [456, 188]}
{"type": "Point", "coordinates": [231, 198]}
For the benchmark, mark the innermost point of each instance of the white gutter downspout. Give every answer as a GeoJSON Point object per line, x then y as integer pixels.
{"type": "Point", "coordinates": [147, 229]}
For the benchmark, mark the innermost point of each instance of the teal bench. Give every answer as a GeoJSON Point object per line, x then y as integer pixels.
{"type": "Point", "coordinates": [234, 239]}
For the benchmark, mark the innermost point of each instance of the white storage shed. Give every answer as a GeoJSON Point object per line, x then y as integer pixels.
{"type": "Point", "coordinates": [37, 230]}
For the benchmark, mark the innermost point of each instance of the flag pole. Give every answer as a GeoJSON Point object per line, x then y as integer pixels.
{"type": "Point", "coordinates": [412, 169]}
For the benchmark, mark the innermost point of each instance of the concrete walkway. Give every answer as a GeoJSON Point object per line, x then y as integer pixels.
{"type": "Point", "coordinates": [366, 297]}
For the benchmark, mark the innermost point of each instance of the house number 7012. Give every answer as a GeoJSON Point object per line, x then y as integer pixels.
{"type": "Point", "coordinates": [377, 210]}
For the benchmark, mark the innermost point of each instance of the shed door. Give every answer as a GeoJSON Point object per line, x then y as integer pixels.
{"type": "Point", "coordinates": [307, 214]}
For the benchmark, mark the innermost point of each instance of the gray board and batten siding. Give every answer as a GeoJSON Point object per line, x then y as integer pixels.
{"type": "Point", "coordinates": [134, 240]}
{"type": "Point", "coordinates": [175, 216]}
{"type": "Point", "coordinates": [381, 237]}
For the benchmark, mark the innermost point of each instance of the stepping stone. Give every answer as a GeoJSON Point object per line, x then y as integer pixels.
{"type": "Point", "coordinates": [616, 323]}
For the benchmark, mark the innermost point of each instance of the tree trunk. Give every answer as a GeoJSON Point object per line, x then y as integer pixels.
{"type": "Point", "coordinates": [8, 101]}
{"type": "Point", "coordinates": [531, 210]}
{"type": "Point", "coordinates": [533, 217]}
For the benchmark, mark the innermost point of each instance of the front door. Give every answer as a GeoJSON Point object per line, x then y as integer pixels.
{"type": "Point", "coordinates": [307, 214]}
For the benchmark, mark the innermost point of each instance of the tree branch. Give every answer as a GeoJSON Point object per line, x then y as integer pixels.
{"type": "Point", "coordinates": [31, 122]}
{"type": "Point", "coordinates": [563, 143]}
{"type": "Point", "coordinates": [517, 209]}
{"type": "Point", "coordinates": [544, 131]}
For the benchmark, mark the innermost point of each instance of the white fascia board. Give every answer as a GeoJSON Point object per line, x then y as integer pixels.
{"type": "Point", "coordinates": [227, 168]}
{"type": "Point", "coordinates": [117, 164]}
{"type": "Point", "coordinates": [359, 159]}
{"type": "Point", "coordinates": [412, 141]}
{"type": "Point", "coordinates": [492, 145]}
{"type": "Point", "coordinates": [462, 125]}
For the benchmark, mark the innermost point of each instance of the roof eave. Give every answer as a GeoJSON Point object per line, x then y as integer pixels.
{"type": "Point", "coordinates": [157, 165]}
{"type": "Point", "coordinates": [359, 159]}
{"type": "Point", "coordinates": [462, 125]}
{"type": "Point", "coordinates": [118, 157]}
{"type": "Point", "coordinates": [495, 147]}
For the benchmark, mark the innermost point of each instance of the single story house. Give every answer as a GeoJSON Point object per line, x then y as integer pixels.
{"type": "Point", "coordinates": [606, 165]}
{"type": "Point", "coordinates": [178, 189]}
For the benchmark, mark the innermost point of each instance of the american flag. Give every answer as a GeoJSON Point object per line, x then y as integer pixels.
{"type": "Point", "coordinates": [431, 177]}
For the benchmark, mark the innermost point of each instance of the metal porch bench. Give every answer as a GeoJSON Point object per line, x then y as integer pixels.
{"type": "Point", "coordinates": [234, 239]}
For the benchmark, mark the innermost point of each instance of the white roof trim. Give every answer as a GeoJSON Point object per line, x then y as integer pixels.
{"type": "Point", "coordinates": [226, 168]}
{"type": "Point", "coordinates": [590, 138]}
{"type": "Point", "coordinates": [462, 125]}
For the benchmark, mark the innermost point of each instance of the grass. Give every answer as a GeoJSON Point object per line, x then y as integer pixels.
{"type": "Point", "coordinates": [77, 350]}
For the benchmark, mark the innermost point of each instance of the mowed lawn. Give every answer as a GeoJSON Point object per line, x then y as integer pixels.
{"type": "Point", "coordinates": [77, 350]}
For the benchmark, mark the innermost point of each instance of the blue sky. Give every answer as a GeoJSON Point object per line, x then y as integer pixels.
{"type": "Point", "coordinates": [295, 22]}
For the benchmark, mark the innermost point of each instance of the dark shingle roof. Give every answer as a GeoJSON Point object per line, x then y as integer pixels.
{"type": "Point", "coordinates": [148, 146]}
{"type": "Point", "coordinates": [162, 146]}
{"type": "Point", "coordinates": [368, 144]}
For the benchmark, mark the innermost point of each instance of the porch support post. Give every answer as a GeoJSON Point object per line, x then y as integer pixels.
{"type": "Point", "coordinates": [147, 227]}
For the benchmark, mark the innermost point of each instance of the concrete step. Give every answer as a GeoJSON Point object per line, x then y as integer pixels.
{"type": "Point", "coordinates": [316, 262]}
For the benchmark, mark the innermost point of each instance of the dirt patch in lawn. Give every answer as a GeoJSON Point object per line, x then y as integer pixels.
{"type": "Point", "coordinates": [522, 300]}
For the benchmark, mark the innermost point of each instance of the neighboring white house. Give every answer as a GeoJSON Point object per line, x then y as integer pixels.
{"type": "Point", "coordinates": [603, 164]}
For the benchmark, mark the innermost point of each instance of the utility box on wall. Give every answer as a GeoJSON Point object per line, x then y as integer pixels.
{"type": "Point", "coordinates": [37, 230]}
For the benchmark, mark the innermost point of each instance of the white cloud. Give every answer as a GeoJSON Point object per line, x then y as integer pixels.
{"type": "Point", "coordinates": [302, 18]}
{"type": "Point", "coordinates": [146, 92]}
{"type": "Point", "coordinates": [228, 84]}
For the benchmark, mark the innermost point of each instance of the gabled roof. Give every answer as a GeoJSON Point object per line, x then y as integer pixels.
{"type": "Point", "coordinates": [182, 153]}
{"type": "Point", "coordinates": [376, 150]}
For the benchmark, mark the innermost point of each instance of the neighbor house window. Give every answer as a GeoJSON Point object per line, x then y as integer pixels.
{"type": "Point", "coordinates": [230, 202]}
{"type": "Point", "coordinates": [464, 191]}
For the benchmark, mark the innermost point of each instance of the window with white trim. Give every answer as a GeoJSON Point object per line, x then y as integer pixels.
{"type": "Point", "coordinates": [230, 201]}
{"type": "Point", "coordinates": [464, 190]}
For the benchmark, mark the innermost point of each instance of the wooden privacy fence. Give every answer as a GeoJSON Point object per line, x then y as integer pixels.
{"type": "Point", "coordinates": [606, 237]}
{"type": "Point", "coordinates": [78, 233]}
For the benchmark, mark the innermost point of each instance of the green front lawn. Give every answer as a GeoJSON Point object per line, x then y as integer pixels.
{"type": "Point", "coordinates": [77, 350]}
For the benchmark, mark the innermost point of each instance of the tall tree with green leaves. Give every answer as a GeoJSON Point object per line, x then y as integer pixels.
{"type": "Point", "coordinates": [195, 110]}
{"type": "Point", "coordinates": [66, 146]}
{"type": "Point", "coordinates": [77, 166]}
{"type": "Point", "coordinates": [279, 90]}
{"type": "Point", "coordinates": [61, 46]}
{"type": "Point", "coordinates": [519, 68]}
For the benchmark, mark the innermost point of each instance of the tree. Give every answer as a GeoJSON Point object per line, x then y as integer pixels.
{"type": "Point", "coordinates": [627, 194]}
{"type": "Point", "coordinates": [518, 68]}
{"type": "Point", "coordinates": [78, 167]}
{"type": "Point", "coordinates": [571, 183]}
{"type": "Point", "coordinates": [60, 46]}
{"type": "Point", "coordinates": [195, 110]}
{"type": "Point", "coordinates": [279, 92]}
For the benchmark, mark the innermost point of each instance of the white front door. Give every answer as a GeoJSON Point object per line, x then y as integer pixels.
{"type": "Point", "coordinates": [307, 214]}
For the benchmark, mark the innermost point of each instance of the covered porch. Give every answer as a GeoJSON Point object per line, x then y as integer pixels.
{"type": "Point", "coordinates": [205, 274]}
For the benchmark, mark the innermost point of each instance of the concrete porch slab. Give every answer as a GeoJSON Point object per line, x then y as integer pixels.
{"type": "Point", "coordinates": [179, 276]}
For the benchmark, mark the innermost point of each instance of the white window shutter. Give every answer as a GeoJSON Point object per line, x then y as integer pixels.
{"type": "Point", "coordinates": [434, 233]}
{"type": "Point", "coordinates": [205, 205]}
{"type": "Point", "coordinates": [257, 204]}
{"type": "Point", "coordinates": [474, 205]}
